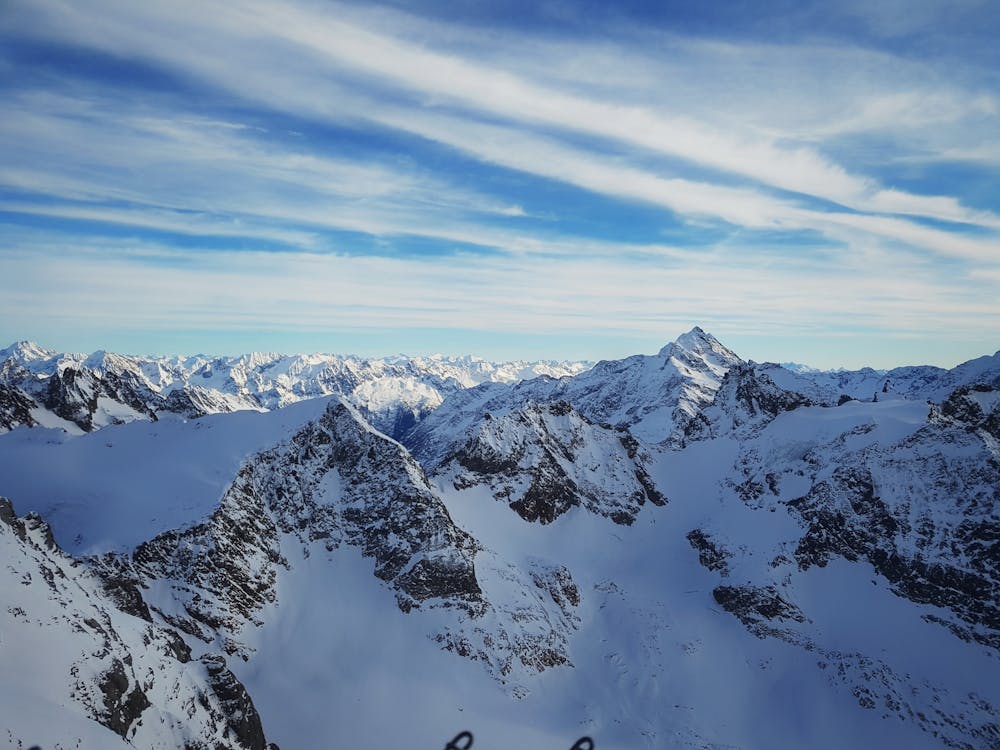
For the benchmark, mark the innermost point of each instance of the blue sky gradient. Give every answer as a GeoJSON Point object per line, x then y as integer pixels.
{"type": "Point", "coordinates": [808, 181]}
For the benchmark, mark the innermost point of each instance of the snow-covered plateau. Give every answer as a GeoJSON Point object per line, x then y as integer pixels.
{"type": "Point", "coordinates": [679, 550]}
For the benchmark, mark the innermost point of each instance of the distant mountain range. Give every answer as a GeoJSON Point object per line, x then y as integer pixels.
{"type": "Point", "coordinates": [86, 392]}
{"type": "Point", "coordinates": [680, 550]}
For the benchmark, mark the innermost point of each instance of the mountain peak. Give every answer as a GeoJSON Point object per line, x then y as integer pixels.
{"type": "Point", "coordinates": [25, 351]}
{"type": "Point", "coordinates": [697, 341]}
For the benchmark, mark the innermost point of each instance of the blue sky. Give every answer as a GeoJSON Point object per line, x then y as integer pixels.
{"type": "Point", "coordinates": [809, 181]}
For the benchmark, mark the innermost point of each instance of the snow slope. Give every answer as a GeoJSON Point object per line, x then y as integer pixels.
{"type": "Point", "coordinates": [804, 575]}
{"type": "Point", "coordinates": [653, 396]}
{"type": "Point", "coordinates": [79, 668]}
{"type": "Point", "coordinates": [919, 383]}
{"type": "Point", "coordinates": [92, 391]}
{"type": "Point", "coordinates": [110, 490]}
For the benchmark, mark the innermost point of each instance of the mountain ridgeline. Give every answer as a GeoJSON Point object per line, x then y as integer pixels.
{"type": "Point", "coordinates": [87, 392]}
{"type": "Point", "coordinates": [683, 549]}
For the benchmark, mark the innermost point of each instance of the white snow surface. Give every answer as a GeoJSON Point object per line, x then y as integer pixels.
{"type": "Point", "coordinates": [61, 637]}
{"type": "Point", "coordinates": [381, 387]}
{"type": "Point", "coordinates": [655, 661]}
{"type": "Point", "coordinates": [110, 490]}
{"type": "Point", "coordinates": [922, 382]}
{"type": "Point", "coordinates": [654, 658]}
{"type": "Point", "coordinates": [653, 396]}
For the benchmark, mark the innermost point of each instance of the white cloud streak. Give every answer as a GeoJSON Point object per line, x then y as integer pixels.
{"type": "Point", "coordinates": [252, 32]}
{"type": "Point", "coordinates": [534, 294]}
{"type": "Point", "coordinates": [501, 93]}
{"type": "Point", "coordinates": [653, 125]}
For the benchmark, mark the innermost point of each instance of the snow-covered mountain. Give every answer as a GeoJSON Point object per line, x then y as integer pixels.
{"type": "Point", "coordinates": [747, 399]}
{"type": "Point", "coordinates": [87, 392]}
{"type": "Point", "coordinates": [654, 397]}
{"type": "Point", "coordinates": [922, 382]}
{"type": "Point", "coordinates": [545, 459]}
{"type": "Point", "coordinates": [83, 659]}
{"type": "Point", "coordinates": [676, 550]}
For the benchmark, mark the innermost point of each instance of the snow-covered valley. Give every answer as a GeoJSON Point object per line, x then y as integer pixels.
{"type": "Point", "coordinates": [681, 550]}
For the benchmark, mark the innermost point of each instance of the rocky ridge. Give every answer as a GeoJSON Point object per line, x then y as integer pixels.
{"type": "Point", "coordinates": [335, 482]}
{"type": "Point", "coordinates": [919, 505]}
{"type": "Point", "coordinates": [654, 397]}
{"type": "Point", "coordinates": [93, 391]}
{"type": "Point", "coordinates": [922, 382]}
{"type": "Point", "coordinates": [746, 401]}
{"type": "Point", "coordinates": [135, 680]}
{"type": "Point", "coordinates": [339, 482]}
{"type": "Point", "coordinates": [798, 487]}
{"type": "Point", "coordinates": [203, 589]}
{"type": "Point", "coordinates": [544, 459]}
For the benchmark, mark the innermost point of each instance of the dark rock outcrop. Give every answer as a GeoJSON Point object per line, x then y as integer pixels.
{"type": "Point", "coordinates": [964, 408]}
{"type": "Point", "coordinates": [73, 394]}
{"type": "Point", "coordinates": [229, 564]}
{"type": "Point", "coordinates": [15, 408]}
{"type": "Point", "coordinates": [847, 526]}
{"type": "Point", "coordinates": [711, 554]}
{"type": "Point", "coordinates": [757, 607]}
{"type": "Point", "coordinates": [119, 669]}
{"type": "Point", "coordinates": [545, 459]}
{"type": "Point", "coordinates": [746, 401]}
{"type": "Point", "coordinates": [939, 542]}
{"type": "Point", "coordinates": [241, 717]}
{"type": "Point", "coordinates": [124, 701]}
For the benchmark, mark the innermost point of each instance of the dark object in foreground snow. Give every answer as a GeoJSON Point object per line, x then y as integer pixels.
{"type": "Point", "coordinates": [463, 741]}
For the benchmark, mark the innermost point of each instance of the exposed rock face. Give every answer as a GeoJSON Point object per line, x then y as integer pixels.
{"type": "Point", "coordinates": [387, 507]}
{"type": "Point", "coordinates": [924, 511]}
{"type": "Point", "coordinates": [122, 589]}
{"type": "Point", "coordinates": [756, 607]}
{"type": "Point", "coordinates": [124, 701]}
{"type": "Point", "coordinates": [654, 397]}
{"type": "Point", "coordinates": [124, 673]}
{"type": "Point", "coordinates": [129, 388]}
{"type": "Point", "coordinates": [15, 408]}
{"type": "Point", "coordinates": [238, 710]}
{"type": "Point", "coordinates": [711, 554]}
{"type": "Point", "coordinates": [544, 459]}
{"type": "Point", "coordinates": [915, 500]}
{"type": "Point", "coordinates": [843, 517]}
{"type": "Point", "coordinates": [921, 383]}
{"type": "Point", "coordinates": [877, 687]}
{"type": "Point", "coordinates": [72, 395]}
{"type": "Point", "coordinates": [558, 582]}
{"type": "Point", "coordinates": [746, 401]}
{"type": "Point", "coordinates": [527, 626]}
{"type": "Point", "coordinates": [937, 542]}
{"type": "Point", "coordinates": [92, 400]}
{"type": "Point", "coordinates": [226, 566]}
{"type": "Point", "coordinates": [335, 482]}
{"type": "Point", "coordinates": [760, 607]}
{"type": "Point", "coordinates": [338, 482]}
{"type": "Point", "coordinates": [192, 402]}
{"type": "Point", "coordinates": [974, 407]}
{"type": "Point", "coordinates": [104, 388]}
{"type": "Point", "coordinates": [766, 609]}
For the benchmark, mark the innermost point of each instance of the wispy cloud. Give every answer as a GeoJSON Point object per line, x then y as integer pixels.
{"type": "Point", "coordinates": [532, 295]}
{"type": "Point", "coordinates": [618, 167]}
